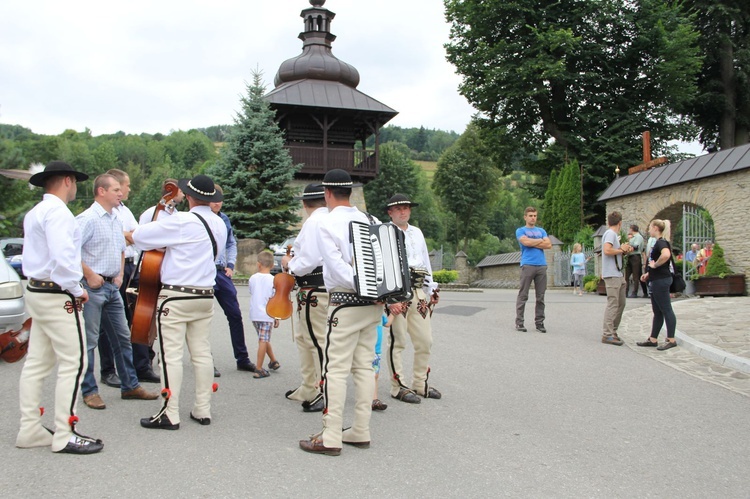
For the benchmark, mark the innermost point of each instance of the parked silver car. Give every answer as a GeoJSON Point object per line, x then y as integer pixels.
{"type": "Point", "coordinates": [11, 298]}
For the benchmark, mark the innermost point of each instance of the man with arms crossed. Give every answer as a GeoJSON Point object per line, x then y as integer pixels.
{"type": "Point", "coordinates": [533, 241]}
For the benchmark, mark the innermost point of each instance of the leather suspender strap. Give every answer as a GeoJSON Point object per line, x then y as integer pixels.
{"type": "Point", "coordinates": [210, 234]}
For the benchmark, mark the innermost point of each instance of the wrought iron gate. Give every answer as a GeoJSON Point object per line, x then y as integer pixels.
{"type": "Point", "coordinates": [563, 270]}
{"type": "Point", "coordinates": [696, 229]}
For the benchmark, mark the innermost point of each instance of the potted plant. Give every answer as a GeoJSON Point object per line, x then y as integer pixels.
{"type": "Point", "coordinates": [719, 280]}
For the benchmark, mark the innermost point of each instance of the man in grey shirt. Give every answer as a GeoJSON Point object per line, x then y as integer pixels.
{"type": "Point", "coordinates": [616, 285]}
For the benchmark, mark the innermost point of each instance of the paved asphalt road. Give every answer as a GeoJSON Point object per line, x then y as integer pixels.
{"type": "Point", "coordinates": [523, 415]}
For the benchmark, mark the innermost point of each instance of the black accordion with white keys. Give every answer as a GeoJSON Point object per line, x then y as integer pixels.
{"type": "Point", "coordinates": [381, 271]}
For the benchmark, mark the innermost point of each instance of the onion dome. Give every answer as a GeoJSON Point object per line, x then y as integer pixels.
{"type": "Point", "coordinates": [317, 62]}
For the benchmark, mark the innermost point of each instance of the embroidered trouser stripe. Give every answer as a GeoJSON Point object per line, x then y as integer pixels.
{"type": "Point", "coordinates": [418, 327]}
{"type": "Point", "coordinates": [349, 348]}
{"type": "Point", "coordinates": [310, 335]}
{"type": "Point", "coordinates": [185, 319]}
{"type": "Point", "coordinates": [57, 336]}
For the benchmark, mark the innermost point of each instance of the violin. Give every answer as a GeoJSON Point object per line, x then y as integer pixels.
{"type": "Point", "coordinates": [280, 305]}
{"type": "Point", "coordinates": [142, 330]}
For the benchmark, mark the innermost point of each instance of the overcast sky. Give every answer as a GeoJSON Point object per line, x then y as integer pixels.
{"type": "Point", "coordinates": [174, 65]}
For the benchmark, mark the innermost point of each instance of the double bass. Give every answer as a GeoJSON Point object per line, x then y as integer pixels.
{"type": "Point", "coordinates": [280, 305]}
{"type": "Point", "coordinates": [144, 313]}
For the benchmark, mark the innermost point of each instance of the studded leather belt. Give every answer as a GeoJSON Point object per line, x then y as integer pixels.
{"type": "Point", "coordinates": [189, 289]}
{"type": "Point", "coordinates": [337, 297]}
{"type": "Point", "coordinates": [33, 283]}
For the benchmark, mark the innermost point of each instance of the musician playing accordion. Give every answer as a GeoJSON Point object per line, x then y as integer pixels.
{"type": "Point", "coordinates": [412, 317]}
{"type": "Point", "coordinates": [352, 322]}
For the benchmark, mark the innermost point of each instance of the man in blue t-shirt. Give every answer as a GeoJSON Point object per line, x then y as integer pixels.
{"type": "Point", "coordinates": [533, 241]}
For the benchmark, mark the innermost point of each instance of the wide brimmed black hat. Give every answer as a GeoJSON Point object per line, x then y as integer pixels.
{"type": "Point", "coordinates": [399, 199]}
{"type": "Point", "coordinates": [200, 187]}
{"type": "Point", "coordinates": [339, 178]}
{"type": "Point", "coordinates": [53, 169]}
{"type": "Point", "coordinates": [312, 191]}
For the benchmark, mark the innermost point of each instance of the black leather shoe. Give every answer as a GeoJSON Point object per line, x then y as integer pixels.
{"type": "Point", "coordinates": [246, 367]}
{"type": "Point", "coordinates": [217, 374]}
{"type": "Point", "coordinates": [407, 396]}
{"type": "Point", "coordinates": [541, 328]}
{"type": "Point", "coordinates": [521, 329]}
{"type": "Point", "coordinates": [149, 377]}
{"type": "Point", "coordinates": [203, 421]}
{"type": "Point", "coordinates": [111, 379]}
{"type": "Point", "coordinates": [82, 445]}
{"type": "Point", "coordinates": [316, 405]}
{"type": "Point", "coordinates": [159, 423]}
{"type": "Point", "coordinates": [432, 393]}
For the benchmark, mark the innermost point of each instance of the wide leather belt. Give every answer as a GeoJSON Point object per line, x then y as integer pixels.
{"type": "Point", "coordinates": [189, 289]}
{"type": "Point", "coordinates": [349, 298]}
{"type": "Point", "coordinates": [130, 259]}
{"type": "Point", "coordinates": [312, 280]}
{"type": "Point", "coordinates": [48, 285]}
{"type": "Point", "coordinates": [110, 280]}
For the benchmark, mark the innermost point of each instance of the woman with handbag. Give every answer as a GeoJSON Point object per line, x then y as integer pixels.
{"type": "Point", "coordinates": [659, 276]}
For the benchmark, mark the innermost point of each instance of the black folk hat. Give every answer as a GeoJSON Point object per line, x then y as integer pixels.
{"type": "Point", "coordinates": [312, 191]}
{"type": "Point", "coordinates": [200, 187]}
{"type": "Point", "coordinates": [338, 178]}
{"type": "Point", "coordinates": [398, 200]}
{"type": "Point", "coordinates": [55, 168]}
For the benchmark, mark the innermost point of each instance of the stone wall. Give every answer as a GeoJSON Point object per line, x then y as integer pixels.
{"type": "Point", "coordinates": [726, 197]}
{"type": "Point", "coordinates": [247, 256]}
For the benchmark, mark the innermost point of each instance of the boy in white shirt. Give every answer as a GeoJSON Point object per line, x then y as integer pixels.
{"type": "Point", "coordinates": [261, 290]}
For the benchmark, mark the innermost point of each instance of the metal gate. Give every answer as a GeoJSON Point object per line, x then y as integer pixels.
{"type": "Point", "coordinates": [563, 270]}
{"type": "Point", "coordinates": [698, 229]}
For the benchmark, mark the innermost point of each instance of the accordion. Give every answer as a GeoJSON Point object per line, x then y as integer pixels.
{"type": "Point", "coordinates": [381, 271]}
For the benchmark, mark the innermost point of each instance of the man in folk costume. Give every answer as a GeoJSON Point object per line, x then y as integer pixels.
{"type": "Point", "coordinates": [52, 262]}
{"type": "Point", "coordinates": [185, 305]}
{"type": "Point", "coordinates": [412, 317]}
{"type": "Point", "coordinates": [352, 322]}
{"type": "Point", "coordinates": [312, 300]}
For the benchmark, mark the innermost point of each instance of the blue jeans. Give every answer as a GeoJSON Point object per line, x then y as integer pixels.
{"type": "Point", "coordinates": [226, 295]}
{"type": "Point", "coordinates": [142, 354]}
{"type": "Point", "coordinates": [105, 312]}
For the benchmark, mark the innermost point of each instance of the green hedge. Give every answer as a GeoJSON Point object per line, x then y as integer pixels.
{"type": "Point", "coordinates": [445, 276]}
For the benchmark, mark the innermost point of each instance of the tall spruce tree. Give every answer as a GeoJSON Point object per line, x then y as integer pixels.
{"type": "Point", "coordinates": [562, 203]}
{"type": "Point", "coordinates": [255, 171]}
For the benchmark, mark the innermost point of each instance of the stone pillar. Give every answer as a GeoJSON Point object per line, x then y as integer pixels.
{"type": "Point", "coordinates": [247, 255]}
{"type": "Point", "coordinates": [462, 266]}
{"type": "Point", "coordinates": [549, 257]}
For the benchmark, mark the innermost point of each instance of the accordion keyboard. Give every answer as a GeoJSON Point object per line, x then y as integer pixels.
{"type": "Point", "coordinates": [379, 261]}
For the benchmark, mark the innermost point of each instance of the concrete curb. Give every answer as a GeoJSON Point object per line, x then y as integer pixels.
{"type": "Point", "coordinates": [713, 354]}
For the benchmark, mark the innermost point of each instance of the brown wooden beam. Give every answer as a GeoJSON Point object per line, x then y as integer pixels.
{"type": "Point", "coordinates": [647, 165]}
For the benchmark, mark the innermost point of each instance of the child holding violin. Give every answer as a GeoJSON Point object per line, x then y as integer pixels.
{"type": "Point", "coordinates": [261, 290]}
